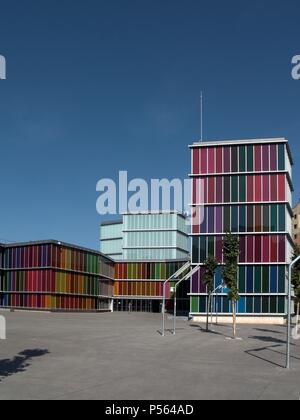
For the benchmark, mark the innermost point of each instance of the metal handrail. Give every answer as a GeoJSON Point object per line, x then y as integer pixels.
{"type": "Point", "coordinates": [185, 278]}
{"type": "Point", "coordinates": [174, 276]}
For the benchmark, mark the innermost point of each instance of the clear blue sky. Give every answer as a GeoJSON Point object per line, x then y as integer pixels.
{"type": "Point", "coordinates": [98, 86]}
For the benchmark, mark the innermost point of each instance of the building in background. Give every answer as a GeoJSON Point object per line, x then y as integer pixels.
{"type": "Point", "coordinates": [296, 224]}
{"type": "Point", "coordinates": [54, 276]}
{"type": "Point", "coordinates": [111, 239]}
{"type": "Point", "coordinates": [146, 236]}
{"type": "Point", "coordinates": [139, 286]}
{"type": "Point", "coordinates": [245, 189]}
{"type": "Point", "coordinates": [148, 249]}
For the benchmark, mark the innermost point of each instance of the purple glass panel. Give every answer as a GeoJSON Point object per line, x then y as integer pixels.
{"type": "Point", "coordinates": [227, 160]}
{"type": "Point", "coordinates": [219, 253]}
{"type": "Point", "coordinates": [281, 250]}
{"type": "Point", "coordinates": [273, 157]}
{"type": "Point", "coordinates": [211, 219]}
{"type": "Point", "coordinates": [243, 249]}
{"type": "Point", "coordinates": [266, 158]}
{"type": "Point", "coordinates": [195, 283]}
{"type": "Point", "coordinates": [219, 219]}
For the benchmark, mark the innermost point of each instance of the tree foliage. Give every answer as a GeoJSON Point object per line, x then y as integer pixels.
{"type": "Point", "coordinates": [210, 266]}
{"type": "Point", "coordinates": [231, 252]}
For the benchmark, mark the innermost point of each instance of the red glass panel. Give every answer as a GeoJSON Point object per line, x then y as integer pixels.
{"type": "Point", "coordinates": [281, 248]}
{"type": "Point", "coordinates": [266, 158]}
{"type": "Point", "coordinates": [258, 256]}
{"type": "Point", "coordinates": [211, 160]}
{"type": "Point", "coordinates": [266, 188]}
{"type": "Point", "coordinates": [196, 163]}
{"type": "Point", "coordinates": [203, 154]}
{"type": "Point", "coordinates": [258, 216]}
{"type": "Point", "coordinates": [266, 248]}
{"type": "Point", "coordinates": [281, 187]}
{"type": "Point", "coordinates": [257, 158]}
{"type": "Point", "coordinates": [274, 188]}
{"type": "Point", "coordinates": [258, 188]}
{"type": "Point", "coordinates": [274, 248]}
{"type": "Point", "coordinates": [211, 189]}
{"type": "Point", "coordinates": [250, 188]}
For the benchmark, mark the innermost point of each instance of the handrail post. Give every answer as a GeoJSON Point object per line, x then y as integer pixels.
{"type": "Point", "coordinates": [288, 340]}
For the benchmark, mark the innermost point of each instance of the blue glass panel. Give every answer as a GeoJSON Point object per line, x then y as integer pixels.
{"type": "Point", "coordinates": [250, 280]}
{"type": "Point", "coordinates": [218, 278]}
{"type": "Point", "coordinates": [242, 305]}
{"type": "Point", "coordinates": [273, 280]}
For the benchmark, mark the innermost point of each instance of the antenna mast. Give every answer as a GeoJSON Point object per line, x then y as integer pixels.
{"type": "Point", "coordinates": [201, 115]}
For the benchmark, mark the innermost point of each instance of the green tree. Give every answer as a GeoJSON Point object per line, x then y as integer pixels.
{"type": "Point", "coordinates": [210, 265]}
{"type": "Point", "coordinates": [296, 278]}
{"type": "Point", "coordinates": [231, 252]}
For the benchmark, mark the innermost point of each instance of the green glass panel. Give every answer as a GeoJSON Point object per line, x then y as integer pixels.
{"type": "Point", "coordinates": [242, 158]}
{"type": "Point", "coordinates": [203, 249]}
{"type": "Point", "coordinates": [281, 304]}
{"type": "Point", "coordinates": [211, 245]}
{"type": "Point", "coordinates": [265, 305]}
{"type": "Point", "coordinates": [227, 227]}
{"type": "Point", "coordinates": [225, 304]}
{"type": "Point", "coordinates": [234, 189]}
{"type": "Point", "coordinates": [281, 279]}
{"type": "Point", "coordinates": [281, 157]}
{"type": "Point", "coordinates": [234, 218]}
{"type": "Point", "coordinates": [242, 279]}
{"type": "Point", "coordinates": [242, 182]}
{"type": "Point", "coordinates": [274, 217]}
{"type": "Point", "coordinates": [227, 183]}
{"type": "Point", "coordinates": [281, 211]}
{"type": "Point", "coordinates": [257, 305]}
{"type": "Point", "coordinates": [266, 218]}
{"type": "Point", "coordinates": [257, 280]}
{"type": "Point", "coordinates": [242, 219]}
{"type": "Point", "coordinates": [249, 305]}
{"type": "Point", "coordinates": [266, 280]}
{"type": "Point", "coordinates": [250, 158]}
{"type": "Point", "coordinates": [202, 304]}
{"type": "Point", "coordinates": [195, 304]}
{"type": "Point", "coordinates": [273, 305]}
{"type": "Point", "coordinates": [195, 253]}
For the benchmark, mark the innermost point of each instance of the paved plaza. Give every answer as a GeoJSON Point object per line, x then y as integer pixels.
{"type": "Point", "coordinates": [123, 356]}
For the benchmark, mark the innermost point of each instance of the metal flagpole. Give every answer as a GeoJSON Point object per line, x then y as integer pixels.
{"type": "Point", "coordinates": [201, 113]}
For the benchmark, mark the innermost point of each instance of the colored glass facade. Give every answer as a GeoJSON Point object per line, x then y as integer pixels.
{"type": "Point", "coordinates": [55, 276]}
{"type": "Point", "coordinates": [141, 281]}
{"type": "Point", "coordinates": [243, 187]}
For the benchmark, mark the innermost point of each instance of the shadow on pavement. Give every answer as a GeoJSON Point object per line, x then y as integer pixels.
{"type": "Point", "coordinates": [269, 339]}
{"type": "Point", "coordinates": [19, 363]}
{"type": "Point", "coordinates": [253, 351]}
{"type": "Point", "coordinates": [268, 331]}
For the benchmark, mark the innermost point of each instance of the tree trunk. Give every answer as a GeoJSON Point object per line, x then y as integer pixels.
{"type": "Point", "coordinates": [207, 313]}
{"type": "Point", "coordinates": [297, 317]}
{"type": "Point", "coordinates": [234, 318]}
